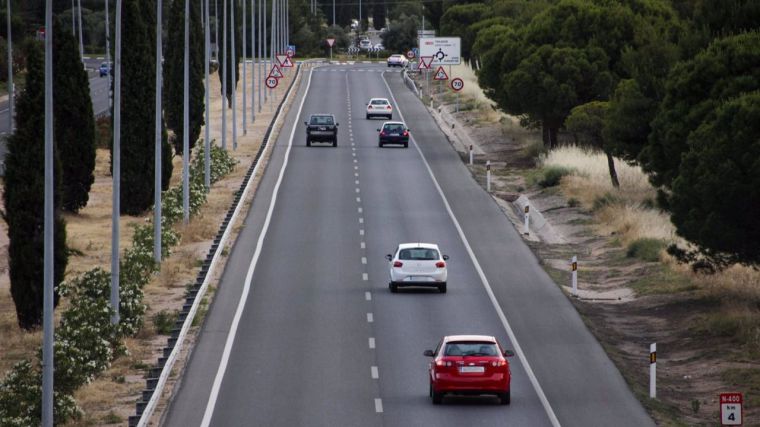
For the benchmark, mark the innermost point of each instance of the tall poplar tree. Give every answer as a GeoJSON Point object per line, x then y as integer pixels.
{"type": "Point", "coordinates": [74, 121]}
{"type": "Point", "coordinates": [232, 59]}
{"type": "Point", "coordinates": [25, 198]}
{"type": "Point", "coordinates": [174, 68]}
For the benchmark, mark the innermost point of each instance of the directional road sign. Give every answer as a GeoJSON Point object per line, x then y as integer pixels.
{"type": "Point", "coordinates": [457, 84]}
{"type": "Point", "coordinates": [271, 82]}
{"type": "Point", "coordinates": [416, 51]}
{"type": "Point", "coordinates": [291, 52]}
{"type": "Point", "coordinates": [440, 74]}
{"type": "Point", "coordinates": [444, 50]}
{"type": "Point", "coordinates": [425, 61]}
{"type": "Point", "coordinates": [276, 73]}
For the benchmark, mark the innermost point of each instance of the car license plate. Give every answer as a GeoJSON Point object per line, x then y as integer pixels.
{"type": "Point", "coordinates": [394, 134]}
{"type": "Point", "coordinates": [471, 369]}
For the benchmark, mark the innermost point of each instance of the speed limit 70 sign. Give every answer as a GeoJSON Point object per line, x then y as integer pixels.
{"type": "Point", "coordinates": [731, 409]}
{"type": "Point", "coordinates": [271, 82]}
{"type": "Point", "coordinates": [457, 84]}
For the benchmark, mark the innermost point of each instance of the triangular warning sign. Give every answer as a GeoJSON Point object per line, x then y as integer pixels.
{"type": "Point", "coordinates": [275, 72]}
{"type": "Point", "coordinates": [425, 61]}
{"type": "Point", "coordinates": [281, 58]}
{"type": "Point", "coordinates": [440, 74]}
{"type": "Point", "coordinates": [287, 63]}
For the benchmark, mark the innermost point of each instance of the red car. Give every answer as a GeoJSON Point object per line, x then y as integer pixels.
{"type": "Point", "coordinates": [469, 365]}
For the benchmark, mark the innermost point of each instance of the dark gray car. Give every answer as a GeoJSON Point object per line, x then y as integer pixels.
{"type": "Point", "coordinates": [321, 128]}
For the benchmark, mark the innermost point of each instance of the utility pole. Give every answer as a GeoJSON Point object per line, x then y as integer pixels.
{"type": "Point", "coordinates": [253, 63]}
{"type": "Point", "coordinates": [216, 31]}
{"type": "Point", "coordinates": [158, 134]}
{"type": "Point", "coordinates": [260, 58]}
{"type": "Point", "coordinates": [233, 30]}
{"type": "Point", "coordinates": [186, 121]}
{"type": "Point", "coordinates": [10, 68]}
{"type": "Point", "coordinates": [266, 65]}
{"type": "Point", "coordinates": [224, 76]}
{"type": "Point", "coordinates": [334, 13]}
{"type": "Point", "coordinates": [206, 141]}
{"type": "Point", "coordinates": [116, 173]}
{"type": "Point", "coordinates": [108, 57]}
{"type": "Point", "coordinates": [245, 75]}
{"type": "Point", "coordinates": [48, 296]}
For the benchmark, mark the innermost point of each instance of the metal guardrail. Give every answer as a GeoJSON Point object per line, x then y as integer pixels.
{"type": "Point", "coordinates": [410, 83]}
{"type": "Point", "coordinates": [159, 374]}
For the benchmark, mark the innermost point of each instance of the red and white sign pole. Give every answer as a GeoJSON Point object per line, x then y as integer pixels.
{"type": "Point", "coordinates": [653, 370]}
{"type": "Point", "coordinates": [330, 42]}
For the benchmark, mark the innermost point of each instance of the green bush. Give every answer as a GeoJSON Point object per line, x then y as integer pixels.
{"type": "Point", "coordinates": [164, 321]}
{"type": "Point", "coordinates": [21, 398]}
{"type": "Point", "coordinates": [646, 249]}
{"type": "Point", "coordinates": [552, 175]}
{"type": "Point", "coordinates": [607, 199]}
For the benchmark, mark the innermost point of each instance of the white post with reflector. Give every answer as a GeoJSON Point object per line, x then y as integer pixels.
{"type": "Point", "coordinates": [574, 274]}
{"type": "Point", "coordinates": [488, 176]}
{"type": "Point", "coordinates": [526, 215]}
{"type": "Point", "coordinates": [470, 154]}
{"type": "Point", "coordinates": [653, 370]}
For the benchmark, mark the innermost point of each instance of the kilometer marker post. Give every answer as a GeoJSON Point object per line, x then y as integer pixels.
{"type": "Point", "coordinates": [488, 176]}
{"type": "Point", "coordinates": [653, 371]}
{"type": "Point", "coordinates": [526, 229]}
{"type": "Point", "coordinates": [574, 269]}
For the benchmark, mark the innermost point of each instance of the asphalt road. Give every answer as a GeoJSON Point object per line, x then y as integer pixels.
{"type": "Point", "coordinates": [320, 339]}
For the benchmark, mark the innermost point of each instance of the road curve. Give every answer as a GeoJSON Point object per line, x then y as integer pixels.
{"type": "Point", "coordinates": [322, 342]}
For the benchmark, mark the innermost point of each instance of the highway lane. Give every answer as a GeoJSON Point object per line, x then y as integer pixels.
{"type": "Point", "coordinates": [323, 342]}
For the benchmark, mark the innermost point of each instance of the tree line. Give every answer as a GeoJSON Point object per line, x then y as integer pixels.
{"type": "Point", "coordinates": [672, 86]}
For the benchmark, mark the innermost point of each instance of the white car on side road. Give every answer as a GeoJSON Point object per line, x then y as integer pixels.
{"type": "Point", "coordinates": [379, 107]}
{"type": "Point", "coordinates": [417, 264]}
{"type": "Point", "coordinates": [397, 60]}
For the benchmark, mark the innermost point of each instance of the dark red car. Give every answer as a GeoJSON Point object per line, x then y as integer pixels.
{"type": "Point", "coordinates": [469, 365]}
{"type": "Point", "coordinates": [393, 133]}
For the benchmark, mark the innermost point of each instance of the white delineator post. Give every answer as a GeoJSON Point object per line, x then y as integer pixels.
{"type": "Point", "coordinates": [526, 229]}
{"type": "Point", "coordinates": [470, 154]}
{"type": "Point", "coordinates": [488, 176]}
{"type": "Point", "coordinates": [653, 370]}
{"type": "Point", "coordinates": [574, 269]}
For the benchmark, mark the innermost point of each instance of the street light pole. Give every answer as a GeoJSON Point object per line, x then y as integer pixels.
{"type": "Point", "coordinates": [116, 173]}
{"type": "Point", "coordinates": [245, 74]}
{"type": "Point", "coordinates": [186, 121]}
{"type": "Point", "coordinates": [158, 136]}
{"type": "Point", "coordinates": [224, 75]}
{"type": "Point", "coordinates": [233, 70]}
{"type": "Point", "coordinates": [10, 68]}
{"type": "Point", "coordinates": [108, 57]}
{"type": "Point", "coordinates": [81, 44]}
{"type": "Point", "coordinates": [207, 57]}
{"type": "Point", "coordinates": [253, 62]}
{"type": "Point", "coordinates": [48, 296]}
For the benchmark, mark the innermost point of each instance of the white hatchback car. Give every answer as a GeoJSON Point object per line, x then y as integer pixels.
{"type": "Point", "coordinates": [379, 107]}
{"type": "Point", "coordinates": [417, 264]}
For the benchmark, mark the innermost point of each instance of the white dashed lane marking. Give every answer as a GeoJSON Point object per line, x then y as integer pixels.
{"type": "Point", "coordinates": [370, 318]}
{"type": "Point", "coordinates": [361, 232]}
{"type": "Point", "coordinates": [361, 220]}
{"type": "Point", "coordinates": [365, 276]}
{"type": "Point", "coordinates": [373, 371]}
{"type": "Point", "coordinates": [364, 245]}
{"type": "Point", "coordinates": [368, 297]}
{"type": "Point", "coordinates": [364, 260]}
{"type": "Point", "coordinates": [371, 343]}
{"type": "Point", "coordinates": [378, 405]}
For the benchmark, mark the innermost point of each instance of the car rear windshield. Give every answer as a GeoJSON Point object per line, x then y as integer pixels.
{"type": "Point", "coordinates": [378, 102]}
{"type": "Point", "coordinates": [470, 348]}
{"type": "Point", "coordinates": [418, 254]}
{"type": "Point", "coordinates": [322, 120]}
{"type": "Point", "coordinates": [394, 128]}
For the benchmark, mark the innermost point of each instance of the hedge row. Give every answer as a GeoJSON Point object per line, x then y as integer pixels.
{"type": "Point", "coordinates": [85, 341]}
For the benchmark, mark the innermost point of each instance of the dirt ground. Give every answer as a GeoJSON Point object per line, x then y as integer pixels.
{"type": "Point", "coordinates": [626, 303]}
{"type": "Point", "coordinates": [110, 399]}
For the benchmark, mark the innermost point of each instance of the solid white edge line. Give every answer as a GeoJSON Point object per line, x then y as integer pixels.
{"type": "Point", "coordinates": [247, 286]}
{"type": "Point", "coordinates": [518, 350]}
{"type": "Point", "coordinates": [163, 377]}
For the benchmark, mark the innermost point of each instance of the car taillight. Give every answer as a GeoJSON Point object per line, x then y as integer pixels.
{"type": "Point", "coordinates": [406, 133]}
{"type": "Point", "coordinates": [369, 107]}
{"type": "Point", "coordinates": [398, 264]}
{"type": "Point", "coordinates": [382, 133]}
{"type": "Point", "coordinates": [440, 264]}
{"type": "Point", "coordinates": [442, 363]}
{"type": "Point", "coordinates": [499, 363]}
{"type": "Point", "coordinates": [389, 107]}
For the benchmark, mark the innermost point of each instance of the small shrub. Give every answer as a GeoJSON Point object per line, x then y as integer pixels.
{"type": "Point", "coordinates": [534, 148]}
{"type": "Point", "coordinates": [112, 418]}
{"type": "Point", "coordinates": [645, 249]}
{"type": "Point", "coordinates": [573, 202]}
{"type": "Point", "coordinates": [164, 321]}
{"type": "Point", "coordinates": [552, 175]}
{"type": "Point", "coordinates": [607, 199]}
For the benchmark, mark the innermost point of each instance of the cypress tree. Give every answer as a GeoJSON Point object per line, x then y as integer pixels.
{"type": "Point", "coordinates": [24, 198]}
{"type": "Point", "coordinates": [231, 59]}
{"type": "Point", "coordinates": [138, 108]}
{"type": "Point", "coordinates": [174, 68]}
{"type": "Point", "coordinates": [74, 121]}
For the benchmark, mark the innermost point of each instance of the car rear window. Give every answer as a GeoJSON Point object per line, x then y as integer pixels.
{"type": "Point", "coordinates": [394, 128]}
{"type": "Point", "coordinates": [418, 254]}
{"type": "Point", "coordinates": [470, 348]}
{"type": "Point", "coordinates": [378, 102]}
{"type": "Point", "coordinates": [321, 120]}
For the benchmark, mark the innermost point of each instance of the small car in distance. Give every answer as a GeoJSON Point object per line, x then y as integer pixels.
{"type": "Point", "coordinates": [365, 44]}
{"type": "Point", "coordinates": [379, 46]}
{"type": "Point", "coordinates": [379, 107]}
{"type": "Point", "coordinates": [393, 133]}
{"type": "Point", "coordinates": [104, 69]}
{"type": "Point", "coordinates": [321, 128]}
{"type": "Point", "coordinates": [397, 60]}
{"type": "Point", "coordinates": [469, 365]}
{"type": "Point", "coordinates": [417, 264]}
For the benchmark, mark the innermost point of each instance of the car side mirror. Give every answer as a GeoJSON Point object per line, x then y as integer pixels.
{"type": "Point", "coordinates": [306, 123]}
{"type": "Point", "coordinates": [508, 353]}
{"type": "Point", "coordinates": [389, 257]}
{"type": "Point", "coordinates": [445, 257]}
{"type": "Point", "coordinates": [429, 353]}
{"type": "Point", "coordinates": [337, 124]}
{"type": "Point", "coordinates": [378, 130]}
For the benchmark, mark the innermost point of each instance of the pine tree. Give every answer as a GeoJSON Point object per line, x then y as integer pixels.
{"type": "Point", "coordinates": [74, 121]}
{"type": "Point", "coordinates": [138, 108]}
{"type": "Point", "coordinates": [231, 59]}
{"type": "Point", "coordinates": [24, 198]}
{"type": "Point", "coordinates": [174, 73]}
